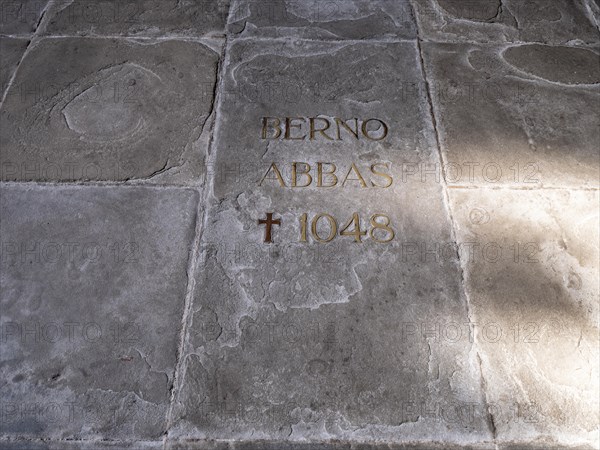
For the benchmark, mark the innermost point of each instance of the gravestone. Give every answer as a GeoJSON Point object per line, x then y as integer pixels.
{"type": "Point", "coordinates": [327, 244]}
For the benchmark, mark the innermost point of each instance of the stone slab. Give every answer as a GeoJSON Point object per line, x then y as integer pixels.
{"type": "Point", "coordinates": [138, 18]}
{"type": "Point", "coordinates": [558, 22]}
{"type": "Point", "coordinates": [104, 109]}
{"type": "Point", "coordinates": [21, 17]}
{"type": "Point", "coordinates": [532, 265]}
{"type": "Point", "coordinates": [323, 20]}
{"type": "Point", "coordinates": [93, 287]}
{"type": "Point", "coordinates": [11, 52]}
{"type": "Point", "coordinates": [314, 341]}
{"type": "Point", "coordinates": [262, 445]}
{"type": "Point", "coordinates": [80, 445]}
{"type": "Point", "coordinates": [335, 445]}
{"type": "Point", "coordinates": [522, 115]}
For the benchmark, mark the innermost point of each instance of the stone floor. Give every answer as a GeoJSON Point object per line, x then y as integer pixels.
{"type": "Point", "coordinates": [284, 224]}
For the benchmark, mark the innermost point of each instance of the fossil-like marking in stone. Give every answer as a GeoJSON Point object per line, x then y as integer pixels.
{"type": "Point", "coordinates": [269, 222]}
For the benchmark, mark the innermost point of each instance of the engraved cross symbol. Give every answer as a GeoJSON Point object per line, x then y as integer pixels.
{"type": "Point", "coordinates": [269, 222]}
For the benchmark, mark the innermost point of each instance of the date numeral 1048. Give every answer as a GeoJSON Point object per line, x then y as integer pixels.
{"type": "Point", "coordinates": [380, 229]}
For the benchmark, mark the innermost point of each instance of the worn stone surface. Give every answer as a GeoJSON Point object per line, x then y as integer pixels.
{"type": "Point", "coordinates": [21, 17]}
{"type": "Point", "coordinates": [594, 10]}
{"type": "Point", "coordinates": [81, 445]}
{"type": "Point", "coordinates": [146, 145]}
{"type": "Point", "coordinates": [524, 115]}
{"type": "Point", "coordinates": [294, 340]}
{"type": "Point", "coordinates": [138, 18]}
{"type": "Point", "coordinates": [11, 52]}
{"type": "Point", "coordinates": [326, 20]}
{"type": "Point", "coordinates": [556, 22]}
{"type": "Point", "coordinates": [335, 445]}
{"type": "Point", "coordinates": [93, 287]}
{"type": "Point", "coordinates": [104, 109]}
{"type": "Point", "coordinates": [531, 261]}
{"type": "Point", "coordinates": [274, 445]}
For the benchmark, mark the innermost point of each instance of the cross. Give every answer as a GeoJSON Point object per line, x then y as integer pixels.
{"type": "Point", "coordinates": [269, 222]}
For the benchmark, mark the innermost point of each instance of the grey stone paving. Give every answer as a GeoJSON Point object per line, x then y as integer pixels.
{"type": "Point", "coordinates": [300, 317]}
{"type": "Point", "coordinates": [93, 289]}
{"type": "Point", "coordinates": [108, 109]}
{"type": "Point", "coordinates": [12, 51]}
{"type": "Point", "coordinates": [288, 224]}
{"type": "Point", "coordinates": [21, 17]}
{"type": "Point", "coordinates": [322, 20]}
{"type": "Point", "coordinates": [532, 268]}
{"type": "Point", "coordinates": [138, 18]}
{"type": "Point", "coordinates": [555, 22]}
{"type": "Point", "coordinates": [523, 116]}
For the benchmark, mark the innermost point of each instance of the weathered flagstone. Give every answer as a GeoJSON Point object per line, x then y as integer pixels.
{"type": "Point", "coordinates": [542, 446]}
{"type": "Point", "coordinates": [523, 115]}
{"type": "Point", "coordinates": [104, 109]}
{"type": "Point", "coordinates": [299, 224]}
{"type": "Point", "coordinates": [307, 340]}
{"type": "Point", "coordinates": [556, 22]}
{"type": "Point", "coordinates": [138, 17]}
{"type": "Point", "coordinates": [11, 52]}
{"type": "Point", "coordinates": [334, 445]}
{"type": "Point", "coordinates": [93, 288]}
{"type": "Point", "coordinates": [532, 280]}
{"type": "Point", "coordinates": [326, 20]}
{"type": "Point", "coordinates": [81, 445]}
{"type": "Point", "coordinates": [21, 17]}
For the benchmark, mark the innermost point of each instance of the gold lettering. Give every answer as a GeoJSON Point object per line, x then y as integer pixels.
{"type": "Point", "coordinates": [343, 123]}
{"type": "Point", "coordinates": [359, 179]}
{"type": "Point", "coordinates": [321, 130]}
{"type": "Point", "coordinates": [265, 127]}
{"type": "Point", "coordinates": [332, 227]}
{"type": "Point", "coordinates": [288, 127]}
{"type": "Point", "coordinates": [273, 128]}
{"type": "Point", "coordinates": [385, 226]}
{"type": "Point", "coordinates": [277, 176]}
{"type": "Point", "coordinates": [389, 179]}
{"type": "Point", "coordinates": [295, 174]}
{"type": "Point", "coordinates": [365, 130]}
{"type": "Point", "coordinates": [331, 173]}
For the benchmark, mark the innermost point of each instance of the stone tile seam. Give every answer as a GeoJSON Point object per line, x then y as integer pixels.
{"type": "Point", "coordinates": [161, 38]}
{"type": "Point", "coordinates": [204, 38]}
{"type": "Point", "coordinates": [590, 45]}
{"type": "Point", "coordinates": [334, 443]}
{"type": "Point", "coordinates": [109, 443]}
{"type": "Point", "coordinates": [190, 285]}
{"type": "Point", "coordinates": [52, 185]}
{"type": "Point", "coordinates": [593, 45]}
{"type": "Point", "coordinates": [201, 218]}
{"type": "Point", "coordinates": [183, 37]}
{"type": "Point", "coordinates": [454, 236]}
{"type": "Point", "coordinates": [199, 187]}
